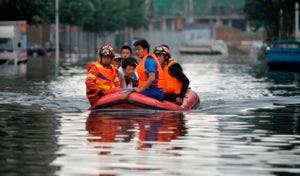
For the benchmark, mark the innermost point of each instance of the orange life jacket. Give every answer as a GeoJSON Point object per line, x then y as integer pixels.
{"type": "Point", "coordinates": [141, 70]}
{"type": "Point", "coordinates": [105, 79]}
{"type": "Point", "coordinates": [172, 84]}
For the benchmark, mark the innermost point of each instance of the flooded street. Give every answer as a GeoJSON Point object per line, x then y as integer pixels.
{"type": "Point", "coordinates": [248, 123]}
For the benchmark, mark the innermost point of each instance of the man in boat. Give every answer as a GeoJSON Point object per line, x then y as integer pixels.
{"type": "Point", "coordinates": [130, 77]}
{"type": "Point", "coordinates": [117, 60]}
{"type": "Point", "coordinates": [149, 71]}
{"type": "Point", "coordinates": [176, 82]}
{"type": "Point", "coordinates": [125, 52]}
{"type": "Point", "coordinates": [102, 76]}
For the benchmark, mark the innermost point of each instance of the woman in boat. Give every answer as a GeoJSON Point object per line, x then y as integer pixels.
{"type": "Point", "coordinates": [176, 82]}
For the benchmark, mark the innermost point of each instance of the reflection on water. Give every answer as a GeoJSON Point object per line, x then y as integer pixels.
{"type": "Point", "coordinates": [149, 128]}
{"type": "Point", "coordinates": [285, 119]}
{"type": "Point", "coordinates": [27, 141]}
{"type": "Point", "coordinates": [284, 83]}
{"type": "Point", "coordinates": [117, 142]}
{"type": "Point", "coordinates": [13, 70]}
{"type": "Point", "coordinates": [262, 141]}
{"type": "Point", "coordinates": [39, 87]}
{"type": "Point", "coordinates": [248, 122]}
{"type": "Point", "coordinates": [41, 69]}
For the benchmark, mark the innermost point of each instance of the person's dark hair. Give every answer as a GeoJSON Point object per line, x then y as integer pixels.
{"type": "Point", "coordinates": [129, 62]}
{"type": "Point", "coordinates": [126, 47]}
{"type": "Point", "coordinates": [166, 46]}
{"type": "Point", "coordinates": [143, 43]}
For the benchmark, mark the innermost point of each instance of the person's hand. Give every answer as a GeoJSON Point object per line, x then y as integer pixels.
{"type": "Point", "coordinates": [138, 90]}
{"type": "Point", "coordinates": [113, 90]}
{"type": "Point", "coordinates": [178, 100]}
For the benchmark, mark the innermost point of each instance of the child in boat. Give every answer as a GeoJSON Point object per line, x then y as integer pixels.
{"type": "Point", "coordinates": [128, 68]}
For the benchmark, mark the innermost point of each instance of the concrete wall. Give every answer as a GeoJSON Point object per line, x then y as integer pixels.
{"type": "Point", "coordinates": [173, 39]}
{"type": "Point", "coordinates": [72, 39]}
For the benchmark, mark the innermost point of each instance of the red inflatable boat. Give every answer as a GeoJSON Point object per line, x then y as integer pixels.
{"type": "Point", "coordinates": [133, 100]}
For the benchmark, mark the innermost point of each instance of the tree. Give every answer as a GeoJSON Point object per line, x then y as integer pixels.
{"type": "Point", "coordinates": [137, 14]}
{"type": "Point", "coordinates": [75, 12]}
{"type": "Point", "coordinates": [33, 11]}
{"type": "Point", "coordinates": [111, 15]}
{"type": "Point", "coordinates": [92, 15]}
{"type": "Point", "coordinates": [266, 14]}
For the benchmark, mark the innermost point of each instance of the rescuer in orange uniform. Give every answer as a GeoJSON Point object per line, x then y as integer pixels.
{"type": "Point", "coordinates": [176, 82]}
{"type": "Point", "coordinates": [102, 76]}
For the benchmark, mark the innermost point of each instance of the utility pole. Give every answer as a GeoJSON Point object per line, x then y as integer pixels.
{"type": "Point", "coordinates": [188, 11]}
{"type": "Point", "coordinates": [56, 37]}
{"type": "Point", "coordinates": [296, 21]}
{"type": "Point", "coordinates": [280, 24]}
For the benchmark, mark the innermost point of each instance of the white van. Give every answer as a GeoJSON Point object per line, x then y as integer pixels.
{"type": "Point", "coordinates": [13, 42]}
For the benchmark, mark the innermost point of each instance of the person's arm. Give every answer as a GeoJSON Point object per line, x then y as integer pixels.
{"type": "Point", "coordinates": [121, 78]}
{"type": "Point", "coordinates": [91, 82]}
{"type": "Point", "coordinates": [149, 82]}
{"type": "Point", "coordinates": [176, 71]}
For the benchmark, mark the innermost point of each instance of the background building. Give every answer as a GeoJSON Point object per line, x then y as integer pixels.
{"type": "Point", "coordinates": [175, 14]}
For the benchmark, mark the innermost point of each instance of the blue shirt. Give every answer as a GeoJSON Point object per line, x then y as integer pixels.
{"type": "Point", "coordinates": [153, 91]}
{"type": "Point", "coordinates": [150, 66]}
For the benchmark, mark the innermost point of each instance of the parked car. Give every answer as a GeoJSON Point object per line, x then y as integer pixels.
{"type": "Point", "coordinates": [34, 49]}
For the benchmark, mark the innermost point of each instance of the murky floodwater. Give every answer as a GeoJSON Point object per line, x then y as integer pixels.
{"type": "Point", "coordinates": [248, 124]}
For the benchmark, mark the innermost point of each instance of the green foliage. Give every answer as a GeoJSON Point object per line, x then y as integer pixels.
{"type": "Point", "coordinates": [204, 7]}
{"type": "Point", "coordinates": [266, 14]}
{"type": "Point", "coordinates": [112, 15]}
{"type": "Point", "coordinates": [200, 7]}
{"type": "Point", "coordinates": [137, 14]}
{"type": "Point", "coordinates": [75, 12]}
{"type": "Point", "coordinates": [33, 11]}
{"type": "Point", "coordinates": [108, 15]}
{"type": "Point", "coordinates": [92, 15]}
{"type": "Point", "coordinates": [168, 7]}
